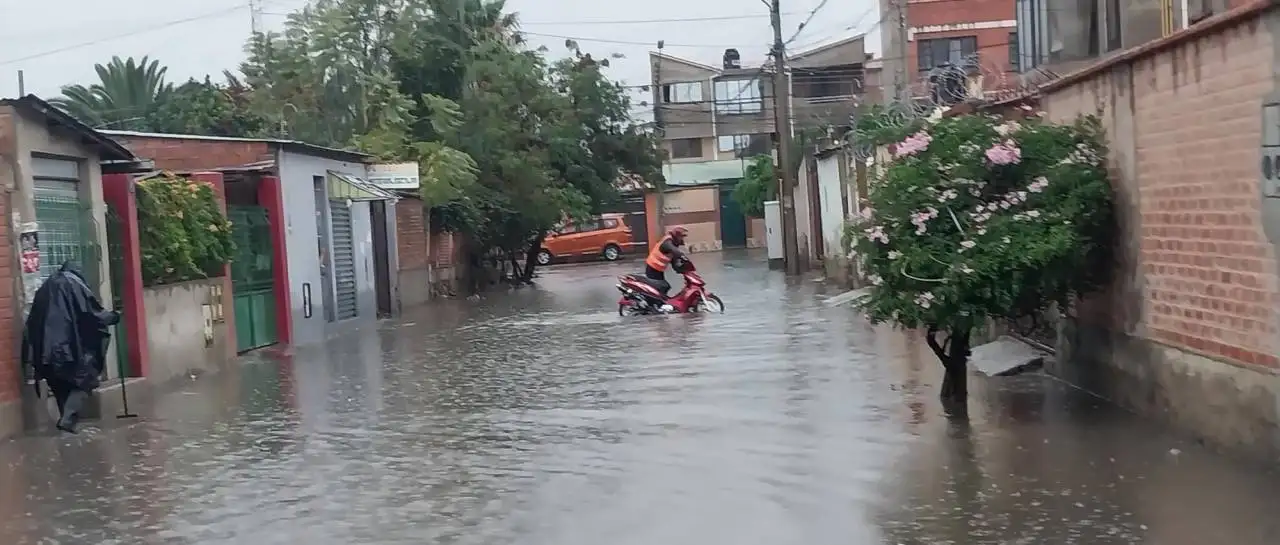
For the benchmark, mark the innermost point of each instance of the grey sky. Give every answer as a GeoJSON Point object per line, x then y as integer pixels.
{"type": "Point", "coordinates": [32, 33]}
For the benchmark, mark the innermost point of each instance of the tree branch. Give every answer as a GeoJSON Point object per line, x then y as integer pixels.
{"type": "Point", "coordinates": [931, 337]}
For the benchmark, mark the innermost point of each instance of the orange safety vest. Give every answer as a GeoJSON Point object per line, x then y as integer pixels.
{"type": "Point", "coordinates": [658, 260]}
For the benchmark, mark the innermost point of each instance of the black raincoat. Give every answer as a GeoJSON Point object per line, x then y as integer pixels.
{"type": "Point", "coordinates": [67, 332]}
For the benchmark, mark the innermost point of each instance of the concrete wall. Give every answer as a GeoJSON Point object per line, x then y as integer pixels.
{"type": "Point", "coordinates": [296, 174]}
{"type": "Point", "coordinates": [698, 210]}
{"type": "Point", "coordinates": [1190, 328]}
{"type": "Point", "coordinates": [182, 334]}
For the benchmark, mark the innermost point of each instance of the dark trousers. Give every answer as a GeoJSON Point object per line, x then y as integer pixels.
{"type": "Point", "coordinates": [70, 400]}
{"type": "Point", "coordinates": [660, 276]}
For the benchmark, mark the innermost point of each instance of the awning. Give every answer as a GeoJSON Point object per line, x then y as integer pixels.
{"type": "Point", "coordinates": [345, 186]}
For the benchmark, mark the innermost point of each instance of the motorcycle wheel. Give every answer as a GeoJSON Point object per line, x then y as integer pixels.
{"type": "Point", "coordinates": [710, 303]}
{"type": "Point", "coordinates": [627, 310]}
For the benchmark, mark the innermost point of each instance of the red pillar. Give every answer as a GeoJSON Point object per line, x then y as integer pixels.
{"type": "Point", "coordinates": [118, 190]}
{"type": "Point", "coordinates": [215, 180]}
{"type": "Point", "coordinates": [271, 197]}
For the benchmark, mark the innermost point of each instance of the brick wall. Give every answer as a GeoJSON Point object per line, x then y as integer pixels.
{"type": "Point", "coordinates": [1197, 271]}
{"type": "Point", "coordinates": [444, 249]}
{"type": "Point", "coordinates": [412, 242]}
{"type": "Point", "coordinates": [192, 154]}
{"type": "Point", "coordinates": [10, 326]}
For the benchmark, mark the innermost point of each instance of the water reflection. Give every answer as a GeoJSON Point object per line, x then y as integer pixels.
{"type": "Point", "coordinates": [541, 417]}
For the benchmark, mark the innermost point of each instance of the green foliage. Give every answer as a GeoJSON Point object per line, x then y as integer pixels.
{"type": "Point", "coordinates": [206, 108]}
{"type": "Point", "coordinates": [183, 234]}
{"type": "Point", "coordinates": [758, 185]}
{"type": "Point", "coordinates": [961, 227]}
{"type": "Point", "coordinates": [126, 93]}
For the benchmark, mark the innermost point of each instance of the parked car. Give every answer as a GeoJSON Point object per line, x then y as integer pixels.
{"type": "Point", "coordinates": [607, 236]}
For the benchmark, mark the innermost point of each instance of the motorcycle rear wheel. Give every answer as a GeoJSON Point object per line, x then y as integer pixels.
{"type": "Point", "coordinates": [625, 309]}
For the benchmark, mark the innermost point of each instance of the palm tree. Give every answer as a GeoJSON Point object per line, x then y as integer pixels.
{"type": "Point", "coordinates": [126, 92]}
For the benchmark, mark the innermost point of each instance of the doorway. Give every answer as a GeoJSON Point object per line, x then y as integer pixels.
{"type": "Point", "coordinates": [381, 255]}
{"type": "Point", "coordinates": [733, 223]}
{"type": "Point", "coordinates": [322, 241]}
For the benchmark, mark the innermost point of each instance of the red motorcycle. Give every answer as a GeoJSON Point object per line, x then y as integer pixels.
{"type": "Point", "coordinates": [642, 295]}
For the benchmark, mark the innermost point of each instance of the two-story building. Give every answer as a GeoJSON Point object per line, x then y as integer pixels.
{"type": "Point", "coordinates": [713, 120]}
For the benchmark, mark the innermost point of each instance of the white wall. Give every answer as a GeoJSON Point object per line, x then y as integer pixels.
{"type": "Point", "coordinates": [296, 175]}
{"type": "Point", "coordinates": [804, 238]}
{"type": "Point", "coordinates": [830, 202]}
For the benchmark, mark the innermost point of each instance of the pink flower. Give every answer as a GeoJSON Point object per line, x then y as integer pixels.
{"type": "Point", "coordinates": [912, 145]}
{"type": "Point", "coordinates": [968, 244]}
{"type": "Point", "coordinates": [925, 299]}
{"type": "Point", "coordinates": [921, 219]}
{"type": "Point", "coordinates": [1005, 153]}
{"type": "Point", "coordinates": [1038, 185]}
{"type": "Point", "coordinates": [877, 234]}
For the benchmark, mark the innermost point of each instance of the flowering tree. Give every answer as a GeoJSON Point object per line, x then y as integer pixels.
{"type": "Point", "coordinates": [976, 218]}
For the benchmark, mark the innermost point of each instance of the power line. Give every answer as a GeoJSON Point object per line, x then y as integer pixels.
{"type": "Point", "coordinates": [623, 42]}
{"type": "Point", "coordinates": [149, 28]}
{"type": "Point", "coordinates": [648, 21]}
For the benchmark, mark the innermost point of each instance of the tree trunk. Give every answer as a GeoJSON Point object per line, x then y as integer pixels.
{"type": "Point", "coordinates": [531, 259]}
{"type": "Point", "coordinates": [954, 355]}
{"type": "Point", "coordinates": [517, 277]}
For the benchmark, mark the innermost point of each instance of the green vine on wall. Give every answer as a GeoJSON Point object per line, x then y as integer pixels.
{"type": "Point", "coordinates": [182, 232]}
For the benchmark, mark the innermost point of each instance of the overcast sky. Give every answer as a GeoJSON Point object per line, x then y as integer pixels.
{"type": "Point", "coordinates": [57, 42]}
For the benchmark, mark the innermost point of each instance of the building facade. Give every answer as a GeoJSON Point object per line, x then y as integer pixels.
{"type": "Point", "coordinates": [51, 170]}
{"type": "Point", "coordinates": [338, 230]}
{"type": "Point", "coordinates": [1189, 329]}
{"type": "Point", "coordinates": [716, 119]}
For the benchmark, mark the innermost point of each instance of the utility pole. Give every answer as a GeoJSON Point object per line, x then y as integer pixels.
{"type": "Point", "coordinates": [660, 198]}
{"type": "Point", "coordinates": [22, 84]}
{"type": "Point", "coordinates": [255, 17]}
{"type": "Point", "coordinates": [901, 89]}
{"type": "Point", "coordinates": [782, 122]}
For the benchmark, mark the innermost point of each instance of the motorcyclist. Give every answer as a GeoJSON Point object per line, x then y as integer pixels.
{"type": "Point", "coordinates": [661, 256]}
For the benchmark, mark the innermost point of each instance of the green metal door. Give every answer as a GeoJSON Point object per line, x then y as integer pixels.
{"type": "Point", "coordinates": [733, 223]}
{"type": "Point", "coordinates": [252, 278]}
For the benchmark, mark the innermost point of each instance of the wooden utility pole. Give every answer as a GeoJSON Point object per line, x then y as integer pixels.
{"type": "Point", "coordinates": [782, 122]}
{"type": "Point", "coordinates": [660, 196]}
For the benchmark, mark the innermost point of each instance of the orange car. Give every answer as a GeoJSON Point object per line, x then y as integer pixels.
{"type": "Point", "coordinates": [607, 236]}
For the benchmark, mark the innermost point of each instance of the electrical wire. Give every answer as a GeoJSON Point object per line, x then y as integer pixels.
{"type": "Point", "coordinates": [149, 28]}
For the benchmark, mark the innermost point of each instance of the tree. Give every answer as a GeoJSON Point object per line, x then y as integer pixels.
{"type": "Point", "coordinates": [758, 185]}
{"type": "Point", "coordinates": [206, 108]}
{"type": "Point", "coordinates": [126, 93]}
{"type": "Point", "coordinates": [977, 218]}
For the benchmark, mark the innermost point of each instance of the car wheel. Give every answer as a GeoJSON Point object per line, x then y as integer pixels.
{"type": "Point", "coordinates": [544, 257]}
{"type": "Point", "coordinates": [611, 252]}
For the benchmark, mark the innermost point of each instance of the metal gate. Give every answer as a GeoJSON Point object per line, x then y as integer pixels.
{"type": "Point", "coordinates": [67, 231]}
{"type": "Point", "coordinates": [344, 260]}
{"type": "Point", "coordinates": [252, 278]}
{"type": "Point", "coordinates": [115, 262]}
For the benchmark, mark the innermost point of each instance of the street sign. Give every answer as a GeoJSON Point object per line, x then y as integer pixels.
{"type": "Point", "coordinates": [394, 176]}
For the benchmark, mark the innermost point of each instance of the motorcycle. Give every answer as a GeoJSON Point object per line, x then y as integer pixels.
{"type": "Point", "coordinates": [642, 295]}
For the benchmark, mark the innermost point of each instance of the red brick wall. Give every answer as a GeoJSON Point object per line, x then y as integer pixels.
{"type": "Point", "coordinates": [1197, 271]}
{"type": "Point", "coordinates": [10, 325]}
{"type": "Point", "coordinates": [444, 249]}
{"type": "Point", "coordinates": [411, 235]}
{"type": "Point", "coordinates": [993, 43]}
{"type": "Point", "coordinates": [189, 154]}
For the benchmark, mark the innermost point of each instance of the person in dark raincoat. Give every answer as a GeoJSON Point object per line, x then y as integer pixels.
{"type": "Point", "coordinates": [66, 340]}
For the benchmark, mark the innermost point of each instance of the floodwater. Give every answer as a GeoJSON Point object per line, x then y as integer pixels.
{"type": "Point", "coordinates": [540, 417]}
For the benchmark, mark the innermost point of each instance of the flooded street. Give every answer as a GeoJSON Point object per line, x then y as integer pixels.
{"type": "Point", "coordinates": [541, 417]}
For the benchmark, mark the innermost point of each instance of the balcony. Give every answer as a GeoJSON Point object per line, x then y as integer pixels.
{"type": "Point", "coordinates": [826, 96]}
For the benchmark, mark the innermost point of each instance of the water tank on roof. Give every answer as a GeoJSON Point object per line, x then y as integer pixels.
{"type": "Point", "coordinates": [732, 59]}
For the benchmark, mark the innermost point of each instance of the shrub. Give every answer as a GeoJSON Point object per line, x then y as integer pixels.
{"type": "Point", "coordinates": [182, 233]}
{"type": "Point", "coordinates": [978, 218]}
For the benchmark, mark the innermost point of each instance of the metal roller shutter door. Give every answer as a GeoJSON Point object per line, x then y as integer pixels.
{"type": "Point", "coordinates": [344, 260]}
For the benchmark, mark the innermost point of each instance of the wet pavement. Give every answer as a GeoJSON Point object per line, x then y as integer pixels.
{"type": "Point", "coordinates": [540, 417]}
